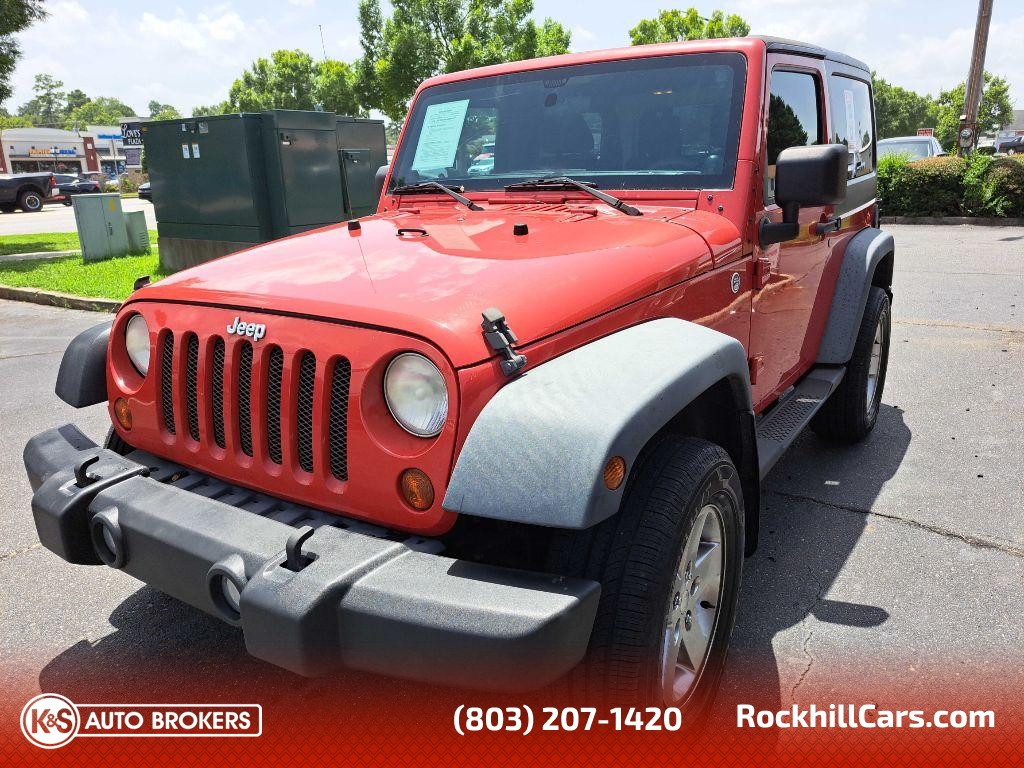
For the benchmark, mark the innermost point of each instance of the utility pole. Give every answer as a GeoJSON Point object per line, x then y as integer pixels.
{"type": "Point", "coordinates": [967, 138]}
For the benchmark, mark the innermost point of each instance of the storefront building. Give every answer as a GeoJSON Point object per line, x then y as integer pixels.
{"type": "Point", "coordinates": [98, 148]}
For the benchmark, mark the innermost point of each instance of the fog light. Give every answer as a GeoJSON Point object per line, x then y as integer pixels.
{"type": "Point", "coordinates": [123, 413]}
{"type": "Point", "coordinates": [417, 489]}
{"type": "Point", "coordinates": [107, 539]}
{"type": "Point", "coordinates": [232, 595]}
{"type": "Point", "coordinates": [614, 472]}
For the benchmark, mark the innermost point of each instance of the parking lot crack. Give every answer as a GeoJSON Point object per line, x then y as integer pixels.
{"type": "Point", "coordinates": [810, 662]}
{"type": "Point", "coordinates": [19, 552]}
{"type": "Point", "coordinates": [980, 542]}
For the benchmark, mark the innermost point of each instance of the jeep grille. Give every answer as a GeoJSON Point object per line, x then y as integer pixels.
{"type": "Point", "coordinates": [285, 396]}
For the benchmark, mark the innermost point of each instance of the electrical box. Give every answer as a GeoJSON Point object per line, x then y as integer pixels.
{"type": "Point", "coordinates": [227, 182]}
{"type": "Point", "coordinates": [101, 226]}
{"type": "Point", "coordinates": [138, 232]}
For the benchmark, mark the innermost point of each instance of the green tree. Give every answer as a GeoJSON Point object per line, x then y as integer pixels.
{"type": "Point", "coordinates": [211, 109]}
{"type": "Point", "coordinates": [422, 38]}
{"type": "Point", "coordinates": [675, 26]}
{"type": "Point", "coordinates": [996, 109]}
{"type": "Point", "coordinates": [7, 121]}
{"type": "Point", "coordinates": [158, 111]}
{"type": "Point", "coordinates": [284, 81]}
{"type": "Point", "coordinates": [899, 111]}
{"type": "Point", "coordinates": [15, 16]}
{"type": "Point", "coordinates": [334, 88]}
{"type": "Point", "coordinates": [103, 110]}
{"type": "Point", "coordinates": [47, 107]}
{"type": "Point", "coordinates": [75, 99]}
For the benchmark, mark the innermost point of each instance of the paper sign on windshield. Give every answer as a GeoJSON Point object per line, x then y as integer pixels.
{"type": "Point", "coordinates": [439, 137]}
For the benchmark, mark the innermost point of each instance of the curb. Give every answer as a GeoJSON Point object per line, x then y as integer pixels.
{"type": "Point", "coordinates": [54, 299]}
{"type": "Point", "coordinates": [977, 221]}
{"type": "Point", "coordinates": [37, 255]}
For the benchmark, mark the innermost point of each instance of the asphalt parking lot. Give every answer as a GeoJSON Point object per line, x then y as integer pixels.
{"type": "Point", "coordinates": [903, 555]}
{"type": "Point", "coordinates": [61, 218]}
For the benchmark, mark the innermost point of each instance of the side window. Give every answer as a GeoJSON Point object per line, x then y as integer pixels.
{"type": "Point", "coordinates": [852, 123]}
{"type": "Point", "coordinates": [794, 119]}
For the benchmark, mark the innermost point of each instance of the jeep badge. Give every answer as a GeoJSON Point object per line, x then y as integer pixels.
{"type": "Point", "coordinates": [241, 328]}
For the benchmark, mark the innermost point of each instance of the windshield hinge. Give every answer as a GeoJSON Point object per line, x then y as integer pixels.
{"type": "Point", "coordinates": [501, 338]}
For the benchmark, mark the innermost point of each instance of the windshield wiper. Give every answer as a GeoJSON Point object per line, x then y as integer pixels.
{"type": "Point", "coordinates": [564, 182]}
{"type": "Point", "coordinates": [436, 186]}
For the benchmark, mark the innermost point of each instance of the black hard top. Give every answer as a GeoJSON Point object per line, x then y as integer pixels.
{"type": "Point", "coordinates": [782, 45]}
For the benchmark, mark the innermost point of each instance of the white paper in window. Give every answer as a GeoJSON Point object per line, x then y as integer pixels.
{"type": "Point", "coordinates": [439, 137]}
{"type": "Point", "coordinates": [852, 135]}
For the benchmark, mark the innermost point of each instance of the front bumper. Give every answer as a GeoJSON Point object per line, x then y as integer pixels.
{"type": "Point", "coordinates": [351, 595]}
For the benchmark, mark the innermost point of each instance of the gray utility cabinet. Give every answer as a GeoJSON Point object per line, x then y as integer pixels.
{"type": "Point", "coordinates": [100, 223]}
{"type": "Point", "coordinates": [227, 182]}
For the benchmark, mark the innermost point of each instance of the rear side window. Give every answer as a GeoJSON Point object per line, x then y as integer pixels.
{"type": "Point", "coordinates": [794, 118]}
{"type": "Point", "coordinates": [852, 123]}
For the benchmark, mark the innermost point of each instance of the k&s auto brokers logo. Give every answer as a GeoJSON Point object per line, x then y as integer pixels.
{"type": "Point", "coordinates": [51, 720]}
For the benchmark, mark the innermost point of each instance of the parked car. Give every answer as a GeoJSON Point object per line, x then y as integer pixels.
{"type": "Point", "coordinates": [482, 165]}
{"type": "Point", "coordinates": [319, 441]}
{"type": "Point", "coordinates": [914, 147]}
{"type": "Point", "coordinates": [1013, 146]}
{"type": "Point", "coordinates": [145, 191]}
{"type": "Point", "coordinates": [70, 185]}
{"type": "Point", "coordinates": [28, 191]}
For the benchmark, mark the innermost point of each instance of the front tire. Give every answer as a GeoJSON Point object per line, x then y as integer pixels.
{"type": "Point", "coordinates": [852, 410]}
{"type": "Point", "coordinates": [669, 564]}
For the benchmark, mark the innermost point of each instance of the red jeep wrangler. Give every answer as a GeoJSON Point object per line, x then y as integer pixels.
{"type": "Point", "coordinates": [676, 258]}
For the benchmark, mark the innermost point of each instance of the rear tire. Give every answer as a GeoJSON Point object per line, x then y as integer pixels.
{"type": "Point", "coordinates": [8, 208]}
{"type": "Point", "coordinates": [852, 410]}
{"type": "Point", "coordinates": [30, 201]}
{"type": "Point", "coordinates": [650, 559]}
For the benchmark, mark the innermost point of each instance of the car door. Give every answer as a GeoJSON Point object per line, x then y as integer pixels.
{"type": "Point", "coordinates": [787, 275]}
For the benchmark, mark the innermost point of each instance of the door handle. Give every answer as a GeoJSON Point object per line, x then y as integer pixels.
{"type": "Point", "coordinates": [832, 225]}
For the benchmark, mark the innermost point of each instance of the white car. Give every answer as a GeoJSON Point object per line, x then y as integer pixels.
{"type": "Point", "coordinates": [914, 147]}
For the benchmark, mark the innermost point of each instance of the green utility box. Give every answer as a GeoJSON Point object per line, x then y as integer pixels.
{"type": "Point", "coordinates": [227, 182]}
{"type": "Point", "coordinates": [101, 228]}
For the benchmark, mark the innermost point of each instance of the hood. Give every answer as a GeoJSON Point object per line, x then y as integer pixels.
{"type": "Point", "coordinates": [431, 271]}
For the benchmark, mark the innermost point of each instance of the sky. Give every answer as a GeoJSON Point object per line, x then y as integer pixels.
{"type": "Point", "coordinates": [188, 52]}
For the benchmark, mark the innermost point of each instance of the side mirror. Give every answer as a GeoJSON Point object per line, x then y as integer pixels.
{"type": "Point", "coordinates": [378, 180]}
{"type": "Point", "coordinates": [805, 176]}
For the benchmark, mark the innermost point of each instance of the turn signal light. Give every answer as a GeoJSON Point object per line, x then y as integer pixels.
{"type": "Point", "coordinates": [123, 413]}
{"type": "Point", "coordinates": [614, 472]}
{"type": "Point", "coordinates": [417, 490]}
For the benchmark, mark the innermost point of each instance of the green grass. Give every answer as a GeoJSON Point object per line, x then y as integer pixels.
{"type": "Point", "coordinates": [47, 241]}
{"type": "Point", "coordinates": [110, 279]}
{"type": "Point", "coordinates": [50, 241]}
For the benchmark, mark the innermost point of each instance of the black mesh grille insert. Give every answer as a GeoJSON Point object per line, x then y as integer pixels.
{"type": "Point", "coordinates": [338, 433]}
{"type": "Point", "coordinates": [192, 385]}
{"type": "Point", "coordinates": [166, 379]}
{"type": "Point", "coordinates": [274, 371]}
{"type": "Point", "coordinates": [304, 410]}
{"type": "Point", "coordinates": [217, 392]}
{"type": "Point", "coordinates": [245, 397]}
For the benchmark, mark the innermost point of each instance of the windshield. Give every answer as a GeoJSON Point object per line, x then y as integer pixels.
{"type": "Point", "coordinates": [670, 122]}
{"type": "Point", "coordinates": [913, 149]}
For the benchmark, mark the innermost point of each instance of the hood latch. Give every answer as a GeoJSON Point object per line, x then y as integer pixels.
{"type": "Point", "coordinates": [501, 338]}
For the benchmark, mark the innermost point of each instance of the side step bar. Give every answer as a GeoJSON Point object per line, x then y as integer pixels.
{"type": "Point", "coordinates": [777, 430]}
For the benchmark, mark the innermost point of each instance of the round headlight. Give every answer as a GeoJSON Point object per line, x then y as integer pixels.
{"type": "Point", "coordinates": [416, 395]}
{"type": "Point", "coordinates": [136, 341]}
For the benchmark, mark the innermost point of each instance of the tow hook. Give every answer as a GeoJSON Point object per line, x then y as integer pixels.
{"type": "Point", "coordinates": [295, 559]}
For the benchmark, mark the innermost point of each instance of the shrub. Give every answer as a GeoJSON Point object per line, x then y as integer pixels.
{"type": "Point", "coordinates": [1004, 187]}
{"type": "Point", "coordinates": [892, 184]}
{"type": "Point", "coordinates": [976, 194]}
{"type": "Point", "coordinates": [934, 187]}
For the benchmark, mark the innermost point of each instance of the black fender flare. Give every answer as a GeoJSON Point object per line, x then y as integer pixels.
{"type": "Point", "coordinates": [863, 254]}
{"type": "Point", "coordinates": [537, 451]}
{"type": "Point", "coordinates": [82, 379]}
